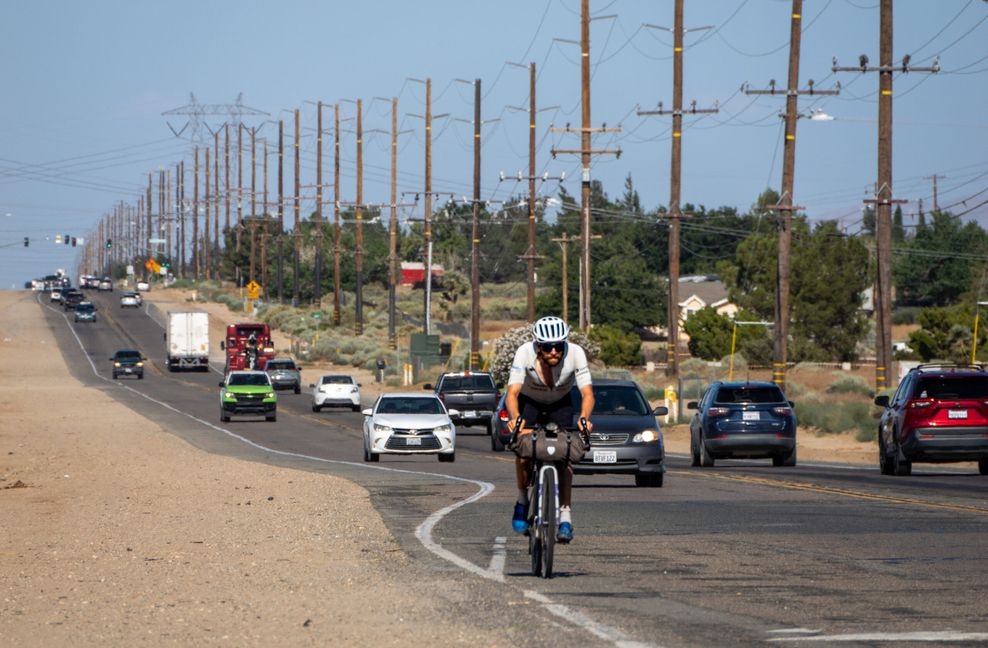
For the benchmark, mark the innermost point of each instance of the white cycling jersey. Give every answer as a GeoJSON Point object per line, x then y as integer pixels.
{"type": "Point", "coordinates": [571, 369]}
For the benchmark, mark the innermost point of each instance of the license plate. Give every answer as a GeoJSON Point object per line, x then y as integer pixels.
{"type": "Point", "coordinates": [470, 414]}
{"type": "Point", "coordinates": [413, 441]}
{"type": "Point", "coordinates": [957, 414]}
{"type": "Point", "coordinates": [605, 456]}
{"type": "Point", "coordinates": [750, 416]}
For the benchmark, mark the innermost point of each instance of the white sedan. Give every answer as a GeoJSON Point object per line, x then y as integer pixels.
{"type": "Point", "coordinates": [410, 423]}
{"type": "Point", "coordinates": [336, 390]}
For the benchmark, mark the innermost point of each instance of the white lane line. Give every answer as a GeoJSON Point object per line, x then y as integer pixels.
{"type": "Point", "coordinates": [795, 631]}
{"type": "Point", "coordinates": [894, 637]}
{"type": "Point", "coordinates": [498, 556]}
{"type": "Point", "coordinates": [424, 531]}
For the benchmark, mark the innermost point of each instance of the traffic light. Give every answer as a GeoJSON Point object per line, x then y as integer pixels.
{"type": "Point", "coordinates": [27, 241]}
{"type": "Point", "coordinates": [65, 239]}
{"type": "Point", "coordinates": [73, 241]}
{"type": "Point", "coordinates": [109, 243]}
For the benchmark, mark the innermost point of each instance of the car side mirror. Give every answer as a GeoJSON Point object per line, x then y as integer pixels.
{"type": "Point", "coordinates": [427, 386]}
{"type": "Point", "coordinates": [360, 384]}
{"type": "Point", "coordinates": [882, 401]}
{"type": "Point", "coordinates": [311, 386]}
{"type": "Point", "coordinates": [367, 412]}
{"type": "Point", "coordinates": [222, 345]}
{"type": "Point", "coordinates": [692, 405]}
{"type": "Point", "coordinates": [661, 410]}
{"type": "Point", "coordinates": [222, 383]}
{"type": "Point", "coordinates": [454, 412]}
{"type": "Point", "coordinates": [791, 404]}
{"type": "Point", "coordinates": [110, 359]}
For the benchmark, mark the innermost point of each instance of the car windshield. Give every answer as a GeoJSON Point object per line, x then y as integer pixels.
{"type": "Point", "coordinates": [947, 387]}
{"type": "Point", "coordinates": [749, 394]}
{"type": "Point", "coordinates": [337, 380]}
{"type": "Point", "coordinates": [255, 379]}
{"type": "Point", "coordinates": [128, 355]}
{"type": "Point", "coordinates": [479, 382]}
{"type": "Point", "coordinates": [280, 364]}
{"type": "Point", "coordinates": [409, 406]}
{"type": "Point", "coordinates": [613, 400]}
{"type": "Point", "coordinates": [84, 308]}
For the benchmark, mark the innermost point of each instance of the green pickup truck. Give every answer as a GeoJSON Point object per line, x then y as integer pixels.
{"type": "Point", "coordinates": [248, 393]}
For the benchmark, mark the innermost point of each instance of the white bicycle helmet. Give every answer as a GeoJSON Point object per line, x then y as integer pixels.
{"type": "Point", "coordinates": [550, 329]}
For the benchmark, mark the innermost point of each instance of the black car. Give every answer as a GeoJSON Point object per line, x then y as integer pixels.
{"type": "Point", "coordinates": [71, 297]}
{"type": "Point", "coordinates": [938, 414]}
{"type": "Point", "coordinates": [471, 393]}
{"type": "Point", "coordinates": [626, 437]}
{"type": "Point", "coordinates": [743, 420]}
{"type": "Point", "coordinates": [128, 362]}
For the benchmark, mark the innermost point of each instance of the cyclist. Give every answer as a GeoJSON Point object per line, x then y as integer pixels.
{"type": "Point", "coordinates": [251, 351]}
{"type": "Point", "coordinates": [542, 374]}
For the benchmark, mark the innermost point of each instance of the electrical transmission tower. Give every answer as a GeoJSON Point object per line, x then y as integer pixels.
{"type": "Point", "coordinates": [196, 113]}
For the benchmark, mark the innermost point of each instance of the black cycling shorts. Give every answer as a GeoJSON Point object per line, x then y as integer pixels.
{"type": "Point", "coordinates": [533, 412]}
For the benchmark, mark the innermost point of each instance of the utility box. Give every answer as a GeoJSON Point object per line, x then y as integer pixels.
{"type": "Point", "coordinates": [424, 345]}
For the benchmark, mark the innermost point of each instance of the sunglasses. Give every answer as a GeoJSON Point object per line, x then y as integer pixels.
{"type": "Point", "coordinates": [549, 347]}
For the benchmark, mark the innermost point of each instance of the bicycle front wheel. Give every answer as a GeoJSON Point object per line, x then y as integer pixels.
{"type": "Point", "coordinates": [534, 531]}
{"type": "Point", "coordinates": [549, 522]}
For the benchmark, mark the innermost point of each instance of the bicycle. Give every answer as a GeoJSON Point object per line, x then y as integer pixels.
{"type": "Point", "coordinates": [543, 488]}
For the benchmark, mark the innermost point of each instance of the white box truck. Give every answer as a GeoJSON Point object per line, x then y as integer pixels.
{"type": "Point", "coordinates": [187, 340]}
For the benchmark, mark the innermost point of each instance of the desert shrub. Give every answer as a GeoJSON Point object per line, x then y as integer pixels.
{"type": "Point", "coordinates": [499, 308]}
{"type": "Point", "coordinates": [834, 418]}
{"type": "Point", "coordinates": [616, 346]}
{"type": "Point", "coordinates": [905, 315]}
{"type": "Point", "coordinates": [849, 384]}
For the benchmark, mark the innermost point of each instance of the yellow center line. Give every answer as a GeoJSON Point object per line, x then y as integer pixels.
{"type": "Point", "coordinates": [830, 490]}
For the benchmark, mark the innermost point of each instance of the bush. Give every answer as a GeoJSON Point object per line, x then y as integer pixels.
{"type": "Point", "coordinates": [834, 418]}
{"type": "Point", "coordinates": [849, 384]}
{"type": "Point", "coordinates": [905, 315]}
{"type": "Point", "coordinates": [616, 346]}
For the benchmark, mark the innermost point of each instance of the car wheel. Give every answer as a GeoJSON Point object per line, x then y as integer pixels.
{"type": "Point", "coordinates": [650, 480]}
{"type": "Point", "coordinates": [114, 376]}
{"type": "Point", "coordinates": [447, 458]}
{"type": "Point", "coordinates": [983, 466]}
{"type": "Point", "coordinates": [884, 462]}
{"type": "Point", "coordinates": [694, 453]}
{"type": "Point", "coordinates": [901, 467]}
{"type": "Point", "coordinates": [489, 428]}
{"type": "Point", "coordinates": [316, 408]}
{"type": "Point", "coordinates": [271, 418]}
{"type": "Point", "coordinates": [785, 459]}
{"type": "Point", "coordinates": [224, 418]}
{"type": "Point", "coordinates": [372, 457]}
{"type": "Point", "coordinates": [298, 390]}
{"type": "Point", "coordinates": [140, 376]}
{"type": "Point", "coordinates": [705, 459]}
{"type": "Point", "coordinates": [496, 444]}
{"type": "Point", "coordinates": [355, 408]}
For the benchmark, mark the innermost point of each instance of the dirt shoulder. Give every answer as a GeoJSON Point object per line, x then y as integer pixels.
{"type": "Point", "coordinates": [117, 533]}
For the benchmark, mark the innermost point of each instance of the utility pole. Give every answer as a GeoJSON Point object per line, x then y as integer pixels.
{"type": "Point", "coordinates": [226, 183]}
{"type": "Point", "coordinates": [675, 183]}
{"type": "Point", "coordinates": [786, 206]}
{"type": "Point", "coordinates": [298, 229]}
{"type": "Point", "coordinates": [317, 293]}
{"type": "Point", "coordinates": [564, 242]}
{"type": "Point", "coordinates": [267, 219]}
{"type": "Point", "coordinates": [585, 153]}
{"type": "Point", "coordinates": [281, 207]}
{"type": "Point", "coordinates": [428, 208]}
{"type": "Point", "coordinates": [936, 205]}
{"type": "Point", "coordinates": [180, 201]}
{"type": "Point", "coordinates": [530, 253]}
{"type": "Point", "coordinates": [195, 215]}
{"type": "Point", "coordinates": [883, 198]}
{"type": "Point", "coordinates": [216, 206]}
{"type": "Point", "coordinates": [336, 217]}
{"type": "Point", "coordinates": [393, 230]}
{"type": "Point", "coordinates": [475, 238]}
{"type": "Point", "coordinates": [147, 236]}
{"type": "Point", "coordinates": [168, 221]}
{"type": "Point", "coordinates": [358, 253]}
{"type": "Point", "coordinates": [253, 201]}
{"type": "Point", "coordinates": [205, 237]}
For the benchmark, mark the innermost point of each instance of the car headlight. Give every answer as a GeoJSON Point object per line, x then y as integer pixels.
{"type": "Point", "coordinates": [383, 429]}
{"type": "Point", "coordinates": [229, 396]}
{"type": "Point", "coordinates": [646, 436]}
{"type": "Point", "coordinates": [116, 364]}
{"type": "Point", "coordinates": [355, 390]}
{"type": "Point", "coordinates": [443, 429]}
{"type": "Point", "coordinates": [270, 394]}
{"type": "Point", "coordinates": [140, 364]}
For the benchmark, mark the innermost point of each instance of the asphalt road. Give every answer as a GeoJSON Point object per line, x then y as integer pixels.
{"type": "Point", "coordinates": [739, 554]}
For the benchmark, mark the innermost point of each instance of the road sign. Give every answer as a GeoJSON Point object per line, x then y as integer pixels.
{"type": "Point", "coordinates": [156, 241]}
{"type": "Point", "coordinates": [316, 315]}
{"type": "Point", "coordinates": [253, 290]}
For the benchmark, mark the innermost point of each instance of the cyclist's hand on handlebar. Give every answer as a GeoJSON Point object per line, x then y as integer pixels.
{"type": "Point", "coordinates": [585, 426]}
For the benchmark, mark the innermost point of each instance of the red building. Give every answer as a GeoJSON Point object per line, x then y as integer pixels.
{"type": "Point", "coordinates": [413, 273]}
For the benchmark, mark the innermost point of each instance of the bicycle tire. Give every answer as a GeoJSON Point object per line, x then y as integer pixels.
{"type": "Point", "coordinates": [534, 541]}
{"type": "Point", "coordinates": [549, 522]}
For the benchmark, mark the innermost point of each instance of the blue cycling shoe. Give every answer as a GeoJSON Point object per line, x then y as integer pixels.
{"type": "Point", "coordinates": [519, 521]}
{"type": "Point", "coordinates": [565, 533]}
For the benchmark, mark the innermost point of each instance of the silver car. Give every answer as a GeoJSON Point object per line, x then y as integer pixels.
{"type": "Point", "coordinates": [285, 374]}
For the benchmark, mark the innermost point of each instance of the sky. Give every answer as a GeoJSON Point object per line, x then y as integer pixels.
{"type": "Point", "coordinates": [85, 85]}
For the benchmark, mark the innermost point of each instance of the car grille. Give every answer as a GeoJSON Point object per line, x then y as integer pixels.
{"type": "Point", "coordinates": [608, 438]}
{"type": "Point", "coordinates": [249, 398]}
{"type": "Point", "coordinates": [429, 442]}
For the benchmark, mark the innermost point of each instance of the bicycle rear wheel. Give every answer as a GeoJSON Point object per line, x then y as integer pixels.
{"type": "Point", "coordinates": [547, 529]}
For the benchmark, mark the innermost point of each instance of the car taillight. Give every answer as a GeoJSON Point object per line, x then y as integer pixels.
{"type": "Point", "coordinates": [919, 403]}
{"type": "Point", "coordinates": [782, 411]}
{"type": "Point", "coordinates": [714, 412]}
{"type": "Point", "coordinates": [502, 416]}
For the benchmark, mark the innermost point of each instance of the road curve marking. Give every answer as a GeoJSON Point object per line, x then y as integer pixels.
{"type": "Point", "coordinates": [831, 490]}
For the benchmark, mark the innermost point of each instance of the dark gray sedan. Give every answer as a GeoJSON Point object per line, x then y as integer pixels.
{"type": "Point", "coordinates": [626, 437]}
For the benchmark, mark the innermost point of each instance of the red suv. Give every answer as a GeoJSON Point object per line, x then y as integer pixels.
{"type": "Point", "coordinates": [938, 414]}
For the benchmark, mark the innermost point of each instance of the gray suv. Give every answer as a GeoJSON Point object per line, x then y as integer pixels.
{"type": "Point", "coordinates": [285, 374]}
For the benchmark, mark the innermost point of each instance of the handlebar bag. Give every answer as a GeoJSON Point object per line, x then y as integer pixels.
{"type": "Point", "coordinates": [567, 446]}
